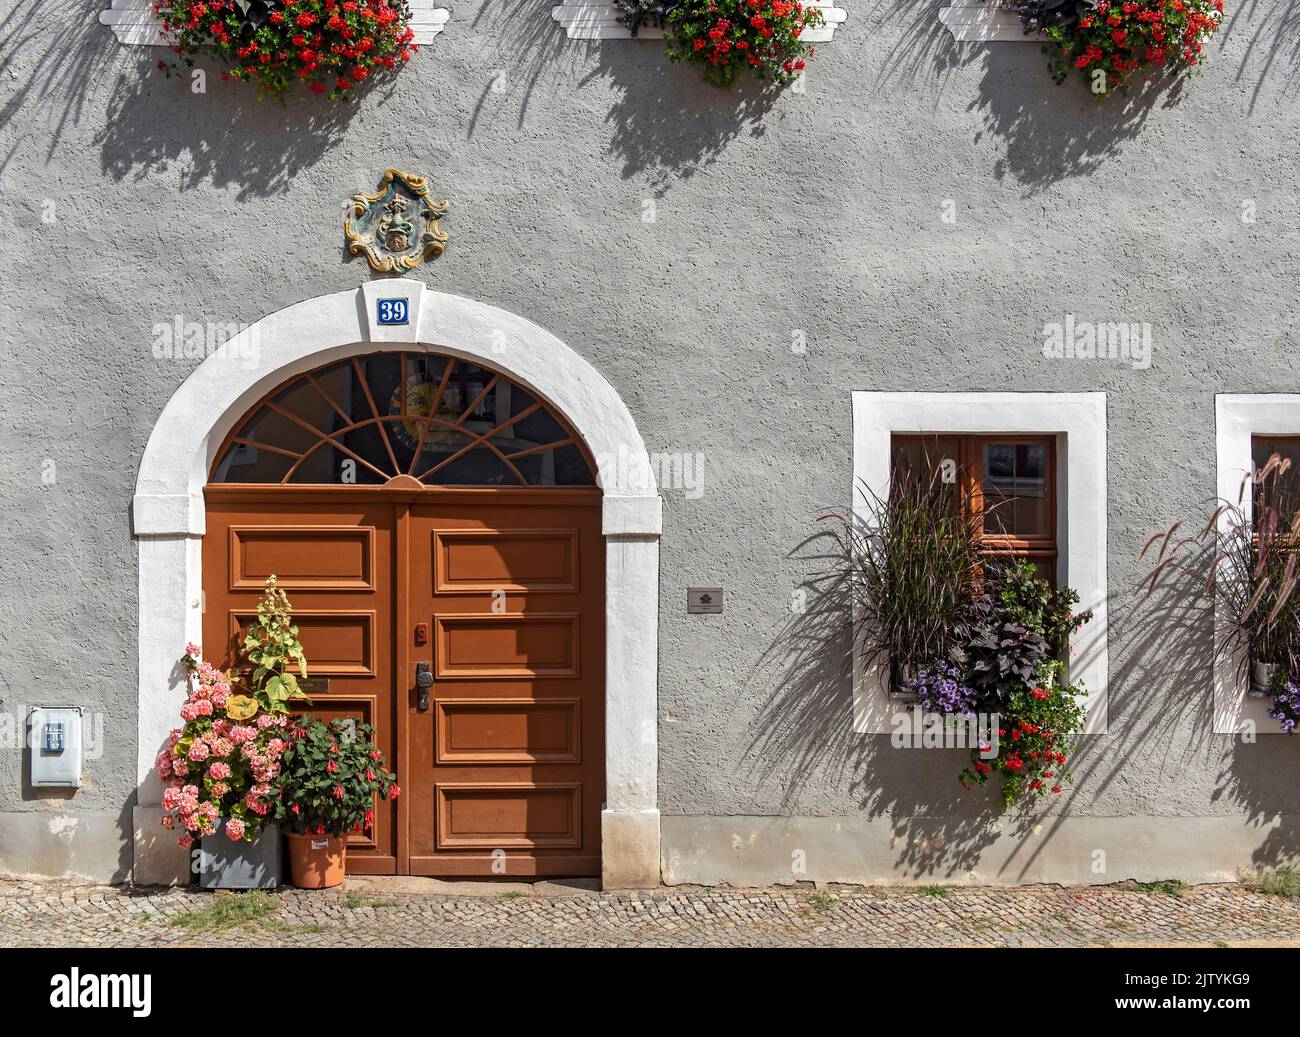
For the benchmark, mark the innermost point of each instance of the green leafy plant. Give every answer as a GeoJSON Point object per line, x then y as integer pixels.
{"type": "Point", "coordinates": [914, 561]}
{"type": "Point", "coordinates": [1031, 602]}
{"type": "Point", "coordinates": [271, 645]}
{"type": "Point", "coordinates": [637, 13]}
{"type": "Point", "coordinates": [330, 774]}
{"type": "Point", "coordinates": [1000, 655]}
{"type": "Point", "coordinates": [224, 763]}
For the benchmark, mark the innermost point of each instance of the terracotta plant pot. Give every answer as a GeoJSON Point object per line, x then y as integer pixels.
{"type": "Point", "coordinates": [317, 861]}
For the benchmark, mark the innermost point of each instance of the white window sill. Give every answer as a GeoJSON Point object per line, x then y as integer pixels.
{"type": "Point", "coordinates": [974, 21]}
{"type": "Point", "coordinates": [1079, 422]}
{"type": "Point", "coordinates": [134, 25]}
{"type": "Point", "coordinates": [598, 20]}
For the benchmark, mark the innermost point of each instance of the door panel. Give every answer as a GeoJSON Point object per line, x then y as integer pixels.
{"type": "Point", "coordinates": [509, 730]}
{"type": "Point", "coordinates": [335, 561]}
{"type": "Point", "coordinates": [535, 560]}
{"type": "Point", "coordinates": [487, 645]}
{"type": "Point", "coordinates": [508, 762]}
{"type": "Point", "coordinates": [303, 557]}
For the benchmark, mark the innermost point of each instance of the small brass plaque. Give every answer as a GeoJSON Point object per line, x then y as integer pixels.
{"type": "Point", "coordinates": [315, 685]}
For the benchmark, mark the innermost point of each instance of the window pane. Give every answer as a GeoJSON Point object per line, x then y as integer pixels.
{"type": "Point", "coordinates": [1015, 489]}
{"type": "Point", "coordinates": [363, 421]}
{"type": "Point", "coordinates": [1284, 488]}
{"type": "Point", "coordinates": [928, 457]}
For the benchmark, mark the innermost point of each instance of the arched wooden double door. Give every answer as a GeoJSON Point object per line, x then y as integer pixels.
{"type": "Point", "coordinates": [461, 532]}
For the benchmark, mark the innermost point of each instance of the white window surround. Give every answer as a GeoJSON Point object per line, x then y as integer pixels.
{"type": "Point", "coordinates": [977, 21]}
{"type": "Point", "coordinates": [1079, 422]}
{"type": "Point", "coordinates": [168, 516]}
{"type": "Point", "coordinates": [598, 20]}
{"type": "Point", "coordinates": [133, 23]}
{"type": "Point", "coordinates": [1237, 418]}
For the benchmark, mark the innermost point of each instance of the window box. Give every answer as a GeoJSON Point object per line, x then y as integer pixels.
{"type": "Point", "coordinates": [133, 23]}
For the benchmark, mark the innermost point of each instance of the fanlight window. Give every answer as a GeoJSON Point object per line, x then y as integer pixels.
{"type": "Point", "coordinates": [366, 420]}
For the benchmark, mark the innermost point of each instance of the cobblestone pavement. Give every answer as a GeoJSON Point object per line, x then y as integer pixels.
{"type": "Point", "coordinates": [382, 913]}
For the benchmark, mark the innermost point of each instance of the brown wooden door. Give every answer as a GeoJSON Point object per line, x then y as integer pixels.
{"type": "Point", "coordinates": [506, 605]}
{"type": "Point", "coordinates": [501, 593]}
{"type": "Point", "coordinates": [333, 555]}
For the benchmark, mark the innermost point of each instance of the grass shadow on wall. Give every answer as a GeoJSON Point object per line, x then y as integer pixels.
{"type": "Point", "coordinates": [50, 57]}
{"type": "Point", "coordinates": [803, 734]}
{"type": "Point", "coordinates": [1271, 30]}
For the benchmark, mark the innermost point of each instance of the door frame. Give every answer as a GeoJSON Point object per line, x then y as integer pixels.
{"type": "Point", "coordinates": [168, 514]}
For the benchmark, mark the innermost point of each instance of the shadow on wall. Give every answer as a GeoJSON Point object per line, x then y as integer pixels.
{"type": "Point", "coordinates": [155, 124]}
{"type": "Point", "coordinates": [48, 60]}
{"type": "Point", "coordinates": [53, 57]}
{"type": "Point", "coordinates": [805, 728]}
{"type": "Point", "coordinates": [803, 733]}
{"type": "Point", "coordinates": [1175, 624]}
{"type": "Point", "coordinates": [666, 122]}
{"type": "Point", "coordinates": [1273, 46]}
{"type": "Point", "coordinates": [1053, 133]}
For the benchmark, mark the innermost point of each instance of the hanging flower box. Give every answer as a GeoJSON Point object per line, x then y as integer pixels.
{"type": "Point", "coordinates": [730, 40]}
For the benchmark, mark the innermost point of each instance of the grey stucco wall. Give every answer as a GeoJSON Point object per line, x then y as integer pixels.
{"type": "Point", "coordinates": [819, 212]}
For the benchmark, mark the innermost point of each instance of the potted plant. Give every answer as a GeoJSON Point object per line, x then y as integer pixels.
{"type": "Point", "coordinates": [731, 39]}
{"type": "Point", "coordinates": [1110, 41]}
{"type": "Point", "coordinates": [331, 773]}
{"type": "Point", "coordinates": [331, 46]}
{"type": "Point", "coordinates": [963, 634]}
{"type": "Point", "coordinates": [222, 766]}
{"type": "Point", "coordinates": [1245, 555]}
{"type": "Point", "coordinates": [1036, 729]}
{"type": "Point", "coordinates": [914, 565]}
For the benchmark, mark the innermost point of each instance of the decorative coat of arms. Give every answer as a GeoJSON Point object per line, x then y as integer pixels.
{"type": "Point", "coordinates": [397, 228]}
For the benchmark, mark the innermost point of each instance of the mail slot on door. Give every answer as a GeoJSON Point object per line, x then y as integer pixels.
{"type": "Point", "coordinates": [55, 740]}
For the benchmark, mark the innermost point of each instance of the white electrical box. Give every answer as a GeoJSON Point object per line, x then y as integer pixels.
{"type": "Point", "coordinates": [55, 740]}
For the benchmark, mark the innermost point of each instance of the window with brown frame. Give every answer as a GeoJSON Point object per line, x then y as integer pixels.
{"type": "Point", "coordinates": [1007, 483]}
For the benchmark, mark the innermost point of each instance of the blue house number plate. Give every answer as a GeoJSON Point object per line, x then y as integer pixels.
{"type": "Point", "coordinates": [392, 311]}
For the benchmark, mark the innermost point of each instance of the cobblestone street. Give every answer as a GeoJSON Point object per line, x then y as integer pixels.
{"type": "Point", "coordinates": [388, 912]}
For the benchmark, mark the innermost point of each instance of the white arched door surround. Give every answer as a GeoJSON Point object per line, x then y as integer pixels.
{"type": "Point", "coordinates": [168, 516]}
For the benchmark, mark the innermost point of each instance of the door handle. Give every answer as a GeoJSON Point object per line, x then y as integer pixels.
{"type": "Point", "coordinates": [423, 682]}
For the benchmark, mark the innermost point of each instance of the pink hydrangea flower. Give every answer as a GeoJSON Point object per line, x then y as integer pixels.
{"type": "Point", "coordinates": [235, 828]}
